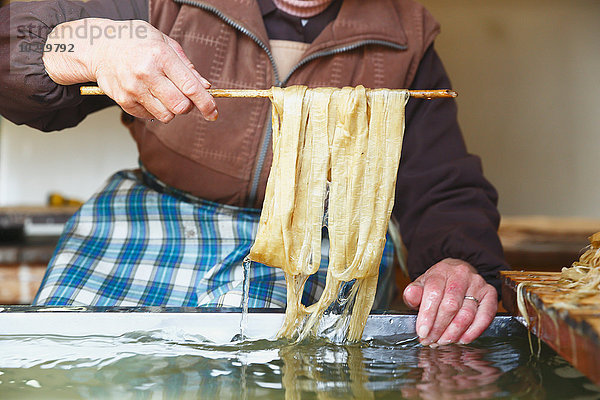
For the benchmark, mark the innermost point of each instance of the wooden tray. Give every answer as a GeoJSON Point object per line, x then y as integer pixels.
{"type": "Point", "coordinates": [574, 334]}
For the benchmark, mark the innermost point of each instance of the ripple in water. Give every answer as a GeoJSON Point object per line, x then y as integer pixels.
{"type": "Point", "coordinates": [174, 364]}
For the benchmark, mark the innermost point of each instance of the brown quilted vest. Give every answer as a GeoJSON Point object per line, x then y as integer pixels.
{"type": "Point", "coordinates": [375, 43]}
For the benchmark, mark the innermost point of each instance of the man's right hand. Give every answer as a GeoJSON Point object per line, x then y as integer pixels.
{"type": "Point", "coordinates": [146, 73]}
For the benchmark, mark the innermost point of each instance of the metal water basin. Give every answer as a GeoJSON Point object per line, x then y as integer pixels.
{"type": "Point", "coordinates": [216, 325]}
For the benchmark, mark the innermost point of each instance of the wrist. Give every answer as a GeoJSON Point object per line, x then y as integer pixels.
{"type": "Point", "coordinates": [71, 50]}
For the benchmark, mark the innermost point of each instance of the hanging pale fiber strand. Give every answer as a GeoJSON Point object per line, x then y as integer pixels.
{"type": "Point", "coordinates": [583, 278]}
{"type": "Point", "coordinates": [340, 146]}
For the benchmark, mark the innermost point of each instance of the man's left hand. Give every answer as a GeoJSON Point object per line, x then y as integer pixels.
{"type": "Point", "coordinates": [455, 303]}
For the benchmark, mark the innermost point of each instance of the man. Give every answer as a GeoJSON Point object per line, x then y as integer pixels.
{"type": "Point", "coordinates": [176, 231]}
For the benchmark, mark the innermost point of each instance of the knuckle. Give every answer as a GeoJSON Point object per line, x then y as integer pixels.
{"type": "Point", "coordinates": [455, 287]}
{"type": "Point", "coordinates": [155, 52]}
{"type": "Point", "coordinates": [478, 280]}
{"type": "Point", "coordinates": [165, 117]}
{"type": "Point", "coordinates": [181, 106]}
{"type": "Point", "coordinates": [125, 101]}
{"type": "Point", "coordinates": [435, 294]}
{"type": "Point", "coordinates": [129, 105]}
{"type": "Point", "coordinates": [132, 111]}
{"type": "Point", "coordinates": [131, 86]}
{"type": "Point", "coordinates": [119, 98]}
{"type": "Point", "coordinates": [463, 269]}
{"type": "Point", "coordinates": [149, 62]}
{"type": "Point", "coordinates": [450, 304]}
{"type": "Point", "coordinates": [465, 317]}
{"type": "Point", "coordinates": [175, 44]}
{"type": "Point", "coordinates": [461, 322]}
{"type": "Point", "coordinates": [142, 73]}
{"type": "Point", "coordinates": [131, 91]}
{"type": "Point", "coordinates": [190, 87]}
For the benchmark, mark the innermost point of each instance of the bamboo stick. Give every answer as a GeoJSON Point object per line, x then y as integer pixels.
{"type": "Point", "coordinates": [420, 94]}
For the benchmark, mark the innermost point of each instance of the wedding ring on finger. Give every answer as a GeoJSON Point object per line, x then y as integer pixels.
{"type": "Point", "coordinates": [472, 298]}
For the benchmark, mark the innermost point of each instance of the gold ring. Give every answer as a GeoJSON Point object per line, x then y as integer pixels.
{"type": "Point", "coordinates": [472, 298]}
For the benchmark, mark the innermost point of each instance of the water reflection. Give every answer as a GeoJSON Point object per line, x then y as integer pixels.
{"type": "Point", "coordinates": [452, 372]}
{"type": "Point", "coordinates": [489, 368]}
{"type": "Point", "coordinates": [330, 371]}
{"type": "Point", "coordinates": [457, 372]}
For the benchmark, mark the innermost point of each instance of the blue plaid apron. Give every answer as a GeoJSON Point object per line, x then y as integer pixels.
{"type": "Point", "coordinates": [138, 242]}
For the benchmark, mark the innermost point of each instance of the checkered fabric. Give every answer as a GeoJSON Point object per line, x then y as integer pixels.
{"type": "Point", "coordinates": [138, 242]}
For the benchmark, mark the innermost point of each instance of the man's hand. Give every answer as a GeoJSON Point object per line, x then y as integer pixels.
{"type": "Point", "coordinates": [445, 315]}
{"type": "Point", "coordinates": [143, 70]}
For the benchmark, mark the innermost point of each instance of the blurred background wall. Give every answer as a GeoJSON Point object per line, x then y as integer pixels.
{"type": "Point", "coordinates": [527, 74]}
{"type": "Point", "coordinates": [73, 162]}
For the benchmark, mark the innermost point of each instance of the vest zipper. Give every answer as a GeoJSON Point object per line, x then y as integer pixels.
{"type": "Point", "coordinates": [240, 28]}
{"type": "Point", "coordinates": [268, 132]}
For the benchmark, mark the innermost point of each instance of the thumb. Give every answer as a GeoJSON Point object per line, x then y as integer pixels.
{"type": "Point", "coordinates": [412, 295]}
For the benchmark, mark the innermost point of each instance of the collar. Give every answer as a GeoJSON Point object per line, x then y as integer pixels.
{"type": "Point", "coordinates": [357, 21]}
{"type": "Point", "coordinates": [266, 6]}
{"type": "Point", "coordinates": [360, 20]}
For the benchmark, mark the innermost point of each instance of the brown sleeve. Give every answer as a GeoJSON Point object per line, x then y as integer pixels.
{"type": "Point", "coordinates": [445, 206]}
{"type": "Point", "coordinates": [27, 94]}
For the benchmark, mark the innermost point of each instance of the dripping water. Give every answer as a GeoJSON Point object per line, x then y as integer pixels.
{"type": "Point", "coordinates": [245, 298]}
{"type": "Point", "coordinates": [326, 205]}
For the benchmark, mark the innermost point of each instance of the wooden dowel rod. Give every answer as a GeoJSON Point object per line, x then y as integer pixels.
{"type": "Point", "coordinates": [433, 94]}
{"type": "Point", "coordinates": [420, 94]}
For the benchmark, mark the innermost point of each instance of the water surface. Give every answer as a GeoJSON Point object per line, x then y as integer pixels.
{"type": "Point", "coordinates": [172, 364]}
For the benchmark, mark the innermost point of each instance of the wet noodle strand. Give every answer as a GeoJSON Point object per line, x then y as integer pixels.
{"type": "Point", "coordinates": [341, 147]}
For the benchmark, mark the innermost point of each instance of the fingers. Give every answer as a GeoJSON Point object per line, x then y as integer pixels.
{"type": "Point", "coordinates": [129, 105]}
{"type": "Point", "coordinates": [186, 61]}
{"type": "Point", "coordinates": [179, 51]}
{"type": "Point", "coordinates": [147, 108]}
{"type": "Point", "coordinates": [445, 316]}
{"type": "Point", "coordinates": [485, 314]}
{"type": "Point", "coordinates": [465, 316]}
{"type": "Point", "coordinates": [433, 290]}
{"type": "Point", "coordinates": [154, 79]}
{"type": "Point", "coordinates": [170, 97]}
{"type": "Point", "coordinates": [412, 294]}
{"type": "Point", "coordinates": [462, 320]}
{"type": "Point", "coordinates": [138, 111]}
{"type": "Point", "coordinates": [187, 81]}
{"type": "Point", "coordinates": [157, 108]}
{"type": "Point", "coordinates": [137, 100]}
{"type": "Point", "coordinates": [450, 304]}
{"type": "Point", "coordinates": [163, 100]}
